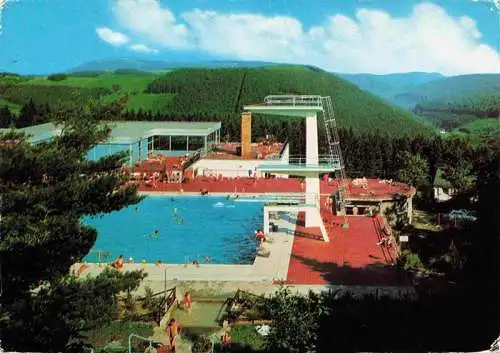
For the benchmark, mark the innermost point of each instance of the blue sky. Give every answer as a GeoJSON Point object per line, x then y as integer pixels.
{"type": "Point", "coordinates": [374, 36]}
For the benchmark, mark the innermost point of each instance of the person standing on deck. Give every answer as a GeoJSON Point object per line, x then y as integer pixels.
{"type": "Point", "coordinates": [173, 332]}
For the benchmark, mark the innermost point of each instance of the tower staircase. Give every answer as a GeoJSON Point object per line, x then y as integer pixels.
{"type": "Point", "coordinates": [312, 165]}
{"type": "Point", "coordinates": [335, 153]}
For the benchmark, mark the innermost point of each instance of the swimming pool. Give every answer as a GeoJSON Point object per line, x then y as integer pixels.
{"type": "Point", "coordinates": [180, 230]}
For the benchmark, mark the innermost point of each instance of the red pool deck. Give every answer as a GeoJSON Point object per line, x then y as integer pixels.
{"type": "Point", "coordinates": [375, 190]}
{"type": "Point", "coordinates": [352, 257]}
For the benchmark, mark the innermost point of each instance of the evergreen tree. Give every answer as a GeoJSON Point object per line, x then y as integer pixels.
{"type": "Point", "coordinates": [414, 170]}
{"type": "Point", "coordinates": [28, 115]}
{"type": "Point", "coordinates": [5, 117]}
{"type": "Point", "coordinates": [46, 189]}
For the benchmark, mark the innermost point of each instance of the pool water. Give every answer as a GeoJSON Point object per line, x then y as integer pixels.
{"type": "Point", "coordinates": [203, 314]}
{"type": "Point", "coordinates": [180, 230]}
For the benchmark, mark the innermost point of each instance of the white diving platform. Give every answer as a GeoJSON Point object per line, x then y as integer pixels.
{"type": "Point", "coordinates": [293, 106]}
{"type": "Point", "coordinates": [295, 209]}
{"type": "Point", "coordinates": [310, 166]}
{"type": "Point", "coordinates": [287, 199]}
{"type": "Point", "coordinates": [298, 165]}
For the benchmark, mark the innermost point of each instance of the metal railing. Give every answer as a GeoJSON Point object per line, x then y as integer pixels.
{"type": "Point", "coordinates": [196, 259]}
{"type": "Point", "coordinates": [287, 199]}
{"type": "Point", "coordinates": [322, 160]}
{"type": "Point", "coordinates": [294, 100]}
{"type": "Point", "coordinates": [140, 338]}
{"type": "Point", "coordinates": [102, 255]}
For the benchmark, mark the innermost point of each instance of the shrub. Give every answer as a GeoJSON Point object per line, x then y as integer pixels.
{"type": "Point", "coordinates": [57, 77]}
{"type": "Point", "coordinates": [202, 344]}
{"type": "Point", "coordinates": [411, 261]}
{"type": "Point", "coordinates": [247, 336]}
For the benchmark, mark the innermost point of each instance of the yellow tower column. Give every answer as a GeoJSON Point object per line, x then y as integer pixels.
{"type": "Point", "coordinates": [246, 135]}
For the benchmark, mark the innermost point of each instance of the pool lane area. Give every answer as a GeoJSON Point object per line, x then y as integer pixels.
{"type": "Point", "coordinates": [274, 267]}
{"type": "Point", "coordinates": [180, 230]}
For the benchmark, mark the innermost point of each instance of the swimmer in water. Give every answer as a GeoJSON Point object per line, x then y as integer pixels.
{"type": "Point", "coordinates": [154, 234]}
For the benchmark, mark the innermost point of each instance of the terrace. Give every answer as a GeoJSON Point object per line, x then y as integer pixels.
{"type": "Point", "coordinates": [262, 150]}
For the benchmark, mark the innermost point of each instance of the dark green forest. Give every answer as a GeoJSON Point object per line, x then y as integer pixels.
{"type": "Point", "coordinates": [216, 94]}
{"type": "Point", "coordinates": [223, 93]}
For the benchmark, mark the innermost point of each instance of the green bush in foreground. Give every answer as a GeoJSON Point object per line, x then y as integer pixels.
{"type": "Point", "coordinates": [245, 338]}
{"type": "Point", "coordinates": [118, 331]}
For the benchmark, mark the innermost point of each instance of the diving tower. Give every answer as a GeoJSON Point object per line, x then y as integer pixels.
{"type": "Point", "coordinates": [312, 164]}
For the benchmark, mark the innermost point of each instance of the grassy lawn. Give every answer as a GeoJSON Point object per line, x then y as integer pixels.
{"type": "Point", "coordinates": [127, 83]}
{"type": "Point", "coordinates": [118, 331]}
{"type": "Point", "coordinates": [14, 108]}
{"type": "Point", "coordinates": [477, 131]}
{"type": "Point", "coordinates": [425, 221]}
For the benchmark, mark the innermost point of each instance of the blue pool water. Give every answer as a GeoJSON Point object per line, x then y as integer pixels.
{"type": "Point", "coordinates": [180, 230]}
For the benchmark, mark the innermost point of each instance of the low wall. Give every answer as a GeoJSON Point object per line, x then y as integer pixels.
{"type": "Point", "coordinates": [237, 168]}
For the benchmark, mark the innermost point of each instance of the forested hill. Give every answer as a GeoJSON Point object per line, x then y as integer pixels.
{"type": "Point", "coordinates": [389, 85]}
{"type": "Point", "coordinates": [451, 90]}
{"type": "Point", "coordinates": [204, 94]}
{"type": "Point", "coordinates": [225, 91]}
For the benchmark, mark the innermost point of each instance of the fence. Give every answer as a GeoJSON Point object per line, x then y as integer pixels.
{"type": "Point", "coordinates": [294, 100]}
{"type": "Point", "coordinates": [165, 304]}
{"type": "Point", "coordinates": [100, 255]}
{"type": "Point", "coordinates": [384, 231]}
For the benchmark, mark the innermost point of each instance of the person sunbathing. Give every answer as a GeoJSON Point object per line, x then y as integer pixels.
{"type": "Point", "coordinates": [119, 262]}
{"type": "Point", "coordinates": [81, 268]}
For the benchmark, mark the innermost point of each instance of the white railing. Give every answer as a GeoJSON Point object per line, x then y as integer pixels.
{"type": "Point", "coordinates": [322, 159]}
{"type": "Point", "coordinates": [102, 255]}
{"type": "Point", "coordinates": [294, 199]}
{"type": "Point", "coordinates": [294, 100]}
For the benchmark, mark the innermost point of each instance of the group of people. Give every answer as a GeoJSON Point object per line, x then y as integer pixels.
{"type": "Point", "coordinates": [119, 263]}
{"type": "Point", "coordinates": [174, 328]}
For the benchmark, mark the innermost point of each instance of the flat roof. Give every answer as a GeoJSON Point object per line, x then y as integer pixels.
{"type": "Point", "coordinates": [131, 131]}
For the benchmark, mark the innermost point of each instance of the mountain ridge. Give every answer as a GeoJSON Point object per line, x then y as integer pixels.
{"type": "Point", "coordinates": [107, 65]}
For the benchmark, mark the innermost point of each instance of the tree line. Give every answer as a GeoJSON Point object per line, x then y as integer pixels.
{"type": "Point", "coordinates": [226, 91]}
{"type": "Point", "coordinates": [30, 114]}
{"type": "Point", "coordinates": [365, 154]}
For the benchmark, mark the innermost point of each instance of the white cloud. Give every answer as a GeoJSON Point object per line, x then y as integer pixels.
{"type": "Point", "coordinates": [429, 39]}
{"type": "Point", "coordinates": [148, 19]}
{"type": "Point", "coordinates": [111, 37]}
{"type": "Point", "coordinates": [142, 48]}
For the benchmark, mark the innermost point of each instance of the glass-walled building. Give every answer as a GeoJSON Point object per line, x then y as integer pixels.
{"type": "Point", "coordinates": [141, 138]}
